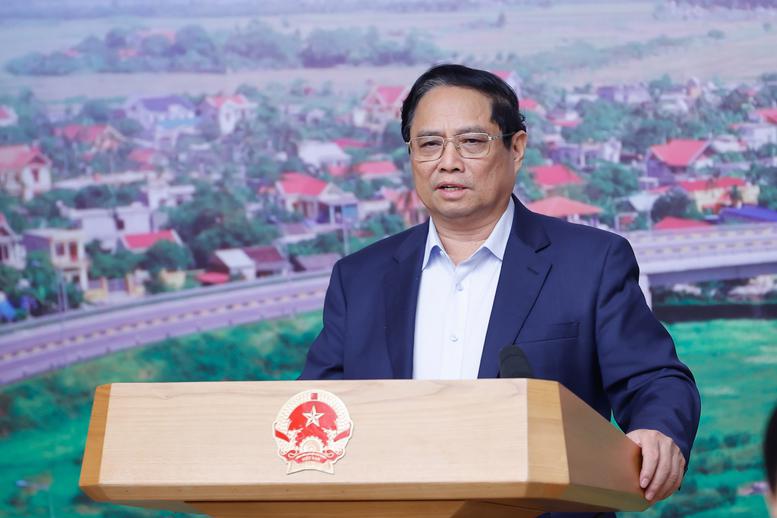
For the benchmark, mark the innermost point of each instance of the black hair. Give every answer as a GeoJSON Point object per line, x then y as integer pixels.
{"type": "Point", "coordinates": [770, 452]}
{"type": "Point", "coordinates": [505, 110]}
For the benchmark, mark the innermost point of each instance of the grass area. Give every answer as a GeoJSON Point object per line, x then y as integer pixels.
{"type": "Point", "coordinates": [43, 420]}
{"type": "Point", "coordinates": [734, 362]}
{"type": "Point", "coordinates": [566, 27]}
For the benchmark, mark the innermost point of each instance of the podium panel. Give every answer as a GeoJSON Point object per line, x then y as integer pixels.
{"type": "Point", "coordinates": [378, 448]}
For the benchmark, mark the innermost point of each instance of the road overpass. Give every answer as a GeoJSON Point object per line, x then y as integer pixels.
{"type": "Point", "coordinates": [669, 257]}
{"type": "Point", "coordinates": [665, 257]}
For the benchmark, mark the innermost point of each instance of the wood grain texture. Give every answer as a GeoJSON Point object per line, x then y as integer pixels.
{"type": "Point", "coordinates": [495, 442]}
{"type": "Point", "coordinates": [93, 452]}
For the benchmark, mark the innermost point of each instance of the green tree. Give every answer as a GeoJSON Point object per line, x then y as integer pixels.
{"type": "Point", "coordinates": [674, 202]}
{"type": "Point", "coordinates": [166, 255]}
{"type": "Point", "coordinates": [609, 181]}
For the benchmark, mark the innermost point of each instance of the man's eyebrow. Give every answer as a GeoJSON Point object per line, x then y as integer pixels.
{"type": "Point", "coordinates": [459, 131]}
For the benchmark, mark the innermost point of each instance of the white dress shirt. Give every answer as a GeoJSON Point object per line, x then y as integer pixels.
{"type": "Point", "coordinates": [454, 304]}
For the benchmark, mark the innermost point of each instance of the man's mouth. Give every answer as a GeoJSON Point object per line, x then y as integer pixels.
{"type": "Point", "coordinates": [450, 187]}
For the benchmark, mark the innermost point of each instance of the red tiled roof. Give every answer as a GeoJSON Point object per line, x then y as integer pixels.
{"type": "Point", "coordinates": [263, 254]}
{"type": "Point", "coordinates": [670, 223]}
{"type": "Point", "coordinates": [529, 104]}
{"type": "Point", "coordinates": [390, 94]}
{"type": "Point", "coordinates": [338, 170]}
{"type": "Point", "coordinates": [219, 100]}
{"type": "Point", "coordinates": [351, 143]}
{"type": "Point", "coordinates": [502, 74]}
{"type": "Point", "coordinates": [301, 183]}
{"type": "Point", "coordinates": [147, 240]}
{"type": "Point", "coordinates": [561, 207]}
{"type": "Point", "coordinates": [81, 132]}
{"type": "Point", "coordinates": [679, 153]}
{"type": "Point", "coordinates": [142, 155]}
{"type": "Point", "coordinates": [769, 114]}
{"type": "Point", "coordinates": [554, 175]}
{"type": "Point", "coordinates": [213, 278]}
{"type": "Point", "coordinates": [724, 182]}
{"type": "Point", "coordinates": [5, 112]}
{"type": "Point", "coordinates": [566, 123]}
{"type": "Point", "coordinates": [18, 156]}
{"type": "Point", "coordinates": [378, 167]}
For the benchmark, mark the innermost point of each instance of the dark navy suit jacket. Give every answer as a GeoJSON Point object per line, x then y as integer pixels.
{"type": "Point", "coordinates": [568, 295]}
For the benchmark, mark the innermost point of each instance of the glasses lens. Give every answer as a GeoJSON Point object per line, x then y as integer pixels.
{"type": "Point", "coordinates": [427, 148]}
{"type": "Point", "coordinates": [473, 145]}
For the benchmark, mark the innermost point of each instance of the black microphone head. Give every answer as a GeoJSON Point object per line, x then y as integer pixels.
{"type": "Point", "coordinates": [513, 363]}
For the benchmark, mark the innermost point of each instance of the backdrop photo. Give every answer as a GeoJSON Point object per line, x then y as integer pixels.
{"type": "Point", "coordinates": [177, 179]}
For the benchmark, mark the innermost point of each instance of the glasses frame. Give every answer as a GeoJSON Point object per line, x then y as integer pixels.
{"type": "Point", "coordinates": [456, 145]}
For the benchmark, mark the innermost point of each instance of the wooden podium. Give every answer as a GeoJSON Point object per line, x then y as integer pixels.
{"type": "Point", "coordinates": [467, 449]}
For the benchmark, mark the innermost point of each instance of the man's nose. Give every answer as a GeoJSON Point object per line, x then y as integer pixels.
{"type": "Point", "coordinates": [451, 159]}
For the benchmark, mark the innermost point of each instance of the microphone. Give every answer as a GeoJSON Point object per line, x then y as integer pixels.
{"type": "Point", "coordinates": [513, 363]}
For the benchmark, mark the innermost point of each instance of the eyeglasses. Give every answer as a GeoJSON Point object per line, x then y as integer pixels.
{"type": "Point", "coordinates": [468, 145]}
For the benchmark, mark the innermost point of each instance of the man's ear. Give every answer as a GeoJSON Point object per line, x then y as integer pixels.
{"type": "Point", "coordinates": [518, 148]}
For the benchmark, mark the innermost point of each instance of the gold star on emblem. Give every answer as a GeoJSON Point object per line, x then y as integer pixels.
{"type": "Point", "coordinates": [312, 416]}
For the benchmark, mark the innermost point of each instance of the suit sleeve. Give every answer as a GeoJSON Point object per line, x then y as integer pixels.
{"type": "Point", "coordinates": [647, 385]}
{"type": "Point", "coordinates": [325, 357]}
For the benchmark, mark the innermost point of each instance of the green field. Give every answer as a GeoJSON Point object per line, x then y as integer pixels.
{"type": "Point", "coordinates": [557, 34]}
{"type": "Point", "coordinates": [43, 420]}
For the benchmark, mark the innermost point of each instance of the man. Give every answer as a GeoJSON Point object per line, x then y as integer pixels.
{"type": "Point", "coordinates": [440, 300]}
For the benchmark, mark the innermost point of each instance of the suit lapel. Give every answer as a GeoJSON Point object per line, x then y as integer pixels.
{"type": "Point", "coordinates": [400, 288]}
{"type": "Point", "coordinates": [521, 278]}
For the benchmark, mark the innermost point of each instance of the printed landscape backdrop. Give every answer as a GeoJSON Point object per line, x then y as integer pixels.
{"type": "Point", "coordinates": [177, 178]}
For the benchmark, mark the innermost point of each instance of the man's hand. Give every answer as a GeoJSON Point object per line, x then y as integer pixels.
{"type": "Point", "coordinates": [663, 464]}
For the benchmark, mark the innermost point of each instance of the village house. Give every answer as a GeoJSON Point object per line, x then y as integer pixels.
{"type": "Point", "coordinates": [232, 262]}
{"type": "Point", "coordinates": [158, 193]}
{"type": "Point", "coordinates": [93, 138]}
{"type": "Point", "coordinates": [712, 194]}
{"type": "Point", "coordinates": [227, 111]}
{"type": "Point", "coordinates": [756, 134]}
{"type": "Point", "coordinates": [406, 203]}
{"type": "Point", "coordinates": [107, 225]}
{"type": "Point", "coordinates": [321, 156]}
{"type": "Point", "coordinates": [675, 223]}
{"type": "Point", "coordinates": [66, 250]}
{"type": "Point", "coordinates": [8, 116]}
{"type": "Point", "coordinates": [677, 159]}
{"type": "Point", "coordinates": [381, 105]}
{"type": "Point", "coordinates": [294, 233]}
{"type": "Point", "coordinates": [764, 115]}
{"type": "Point", "coordinates": [315, 262]}
{"type": "Point", "coordinates": [267, 260]}
{"type": "Point", "coordinates": [24, 171]}
{"type": "Point", "coordinates": [150, 111]}
{"type": "Point", "coordinates": [569, 210]}
{"type": "Point", "coordinates": [320, 202]}
{"type": "Point", "coordinates": [747, 214]}
{"type": "Point", "coordinates": [584, 155]}
{"type": "Point", "coordinates": [631, 94]}
{"type": "Point", "coordinates": [551, 179]}
{"type": "Point", "coordinates": [12, 251]}
{"type": "Point", "coordinates": [378, 170]}
{"type": "Point", "coordinates": [139, 243]}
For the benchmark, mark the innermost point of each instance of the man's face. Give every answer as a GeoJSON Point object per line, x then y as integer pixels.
{"type": "Point", "coordinates": [463, 192]}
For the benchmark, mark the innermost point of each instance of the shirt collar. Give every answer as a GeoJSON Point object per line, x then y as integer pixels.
{"type": "Point", "coordinates": [495, 243]}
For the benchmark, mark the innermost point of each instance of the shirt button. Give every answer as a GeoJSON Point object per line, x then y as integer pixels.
{"type": "Point", "coordinates": [454, 338]}
{"type": "Point", "coordinates": [459, 287]}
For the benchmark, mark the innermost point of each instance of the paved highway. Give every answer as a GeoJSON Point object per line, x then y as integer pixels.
{"type": "Point", "coordinates": [33, 350]}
